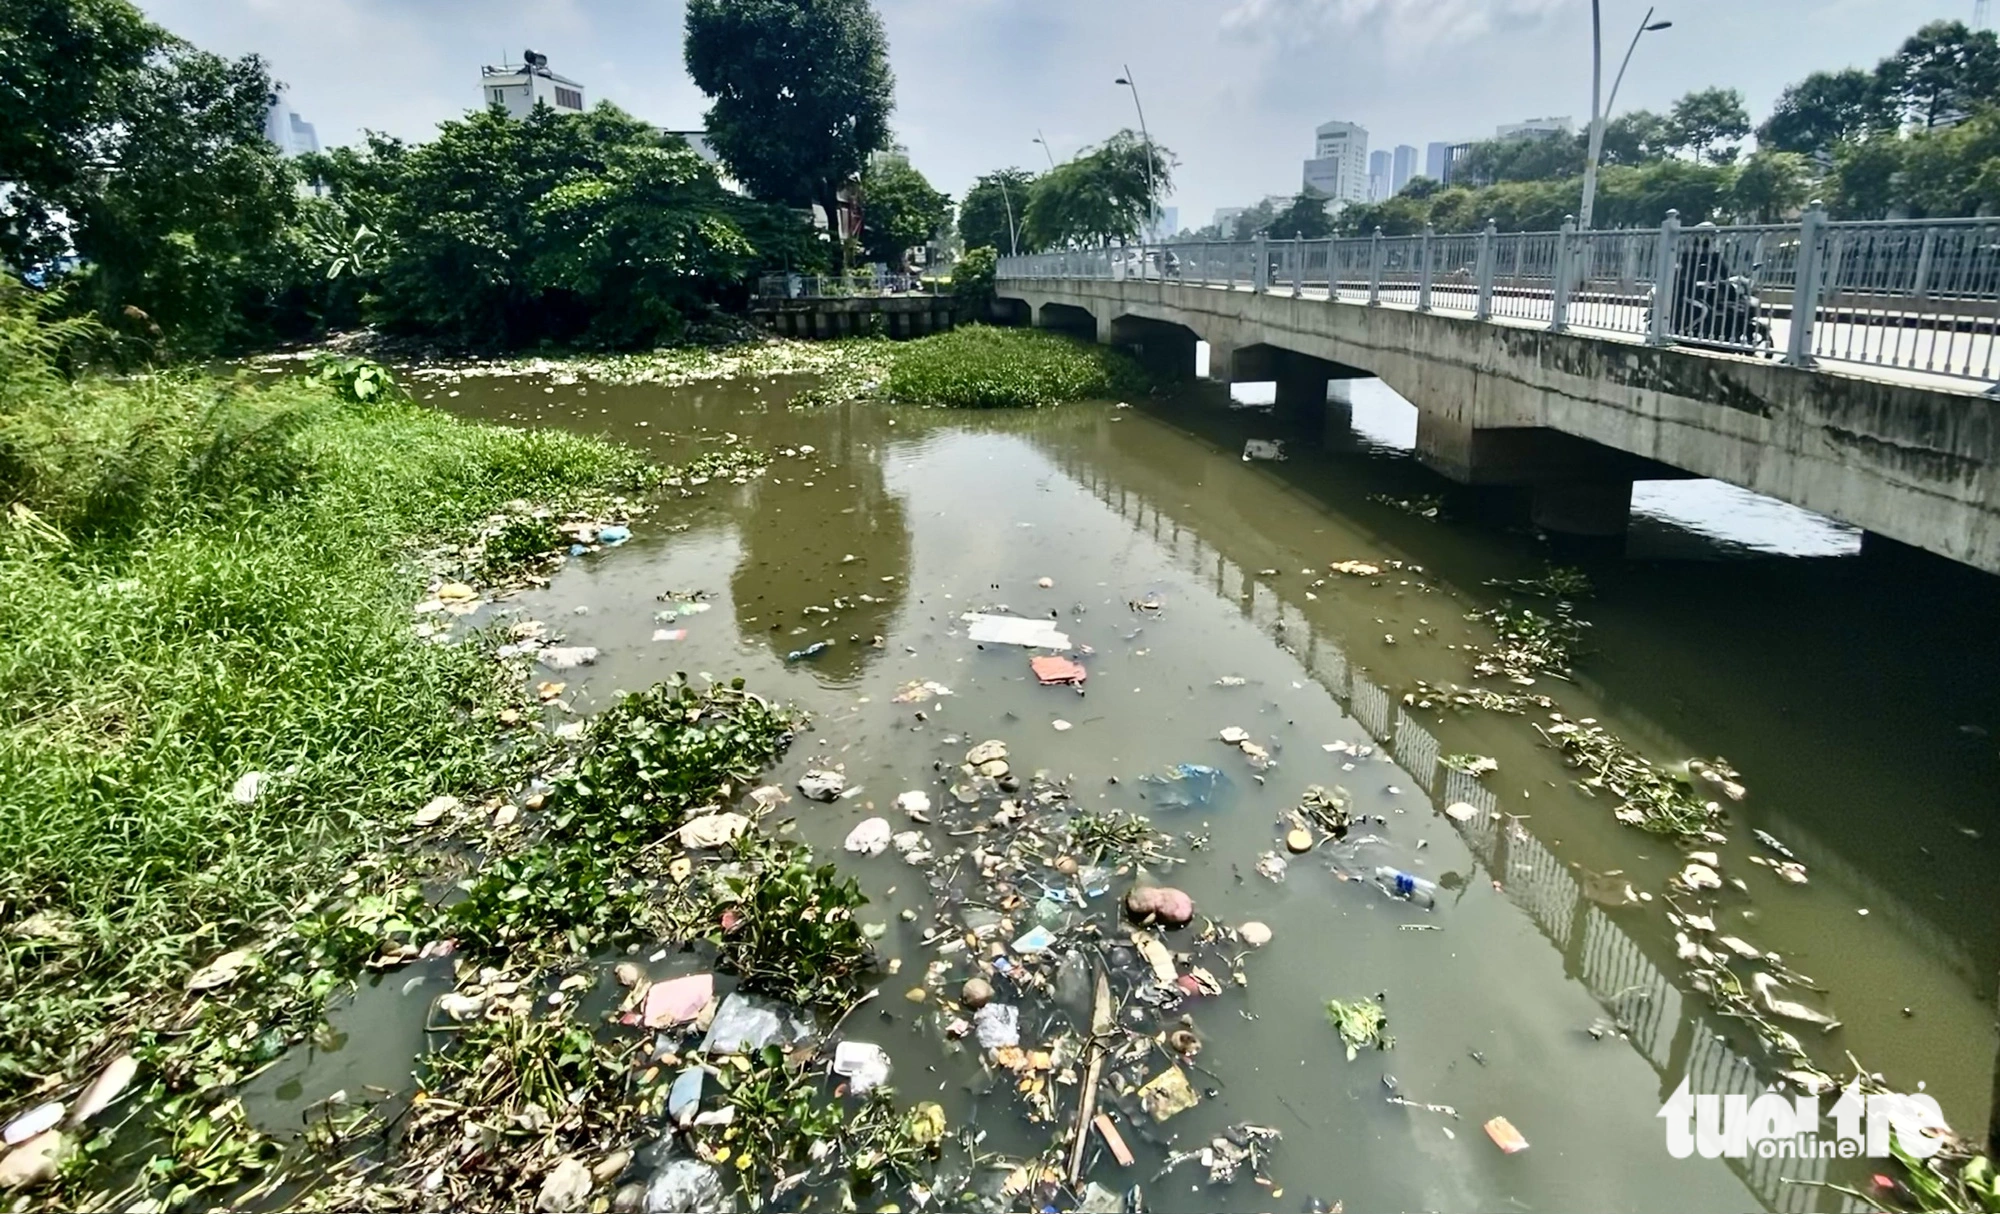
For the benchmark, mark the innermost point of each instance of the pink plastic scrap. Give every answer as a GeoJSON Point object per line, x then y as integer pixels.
{"type": "Point", "coordinates": [1053, 670]}
{"type": "Point", "coordinates": [678, 1000]}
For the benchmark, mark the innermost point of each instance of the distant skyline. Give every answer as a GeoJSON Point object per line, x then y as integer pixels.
{"type": "Point", "coordinates": [1233, 87]}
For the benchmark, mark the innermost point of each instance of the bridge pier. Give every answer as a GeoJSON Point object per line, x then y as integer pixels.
{"type": "Point", "coordinates": [1573, 487]}
{"type": "Point", "coordinates": [1167, 351]}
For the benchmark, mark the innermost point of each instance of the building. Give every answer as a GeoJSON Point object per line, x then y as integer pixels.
{"type": "Point", "coordinates": [519, 87]}
{"type": "Point", "coordinates": [1405, 168]}
{"type": "Point", "coordinates": [1225, 219]}
{"type": "Point", "coordinates": [283, 126]}
{"type": "Point", "coordinates": [1436, 157]}
{"type": "Point", "coordinates": [1378, 176]}
{"type": "Point", "coordinates": [1339, 166]}
{"type": "Point", "coordinates": [1537, 128]}
{"type": "Point", "coordinates": [1454, 162]}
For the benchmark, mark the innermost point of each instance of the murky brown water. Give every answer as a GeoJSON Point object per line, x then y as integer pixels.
{"type": "Point", "coordinates": [1854, 698]}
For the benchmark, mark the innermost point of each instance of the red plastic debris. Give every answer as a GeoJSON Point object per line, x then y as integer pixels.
{"type": "Point", "coordinates": [1056, 670]}
{"type": "Point", "coordinates": [1505, 1136]}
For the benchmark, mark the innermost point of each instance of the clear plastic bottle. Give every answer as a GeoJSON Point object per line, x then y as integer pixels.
{"type": "Point", "coordinates": [1407, 886]}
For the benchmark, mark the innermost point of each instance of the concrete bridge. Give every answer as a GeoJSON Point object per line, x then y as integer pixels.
{"type": "Point", "coordinates": [1520, 392]}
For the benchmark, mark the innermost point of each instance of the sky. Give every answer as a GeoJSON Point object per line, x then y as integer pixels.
{"type": "Point", "coordinates": [1233, 88]}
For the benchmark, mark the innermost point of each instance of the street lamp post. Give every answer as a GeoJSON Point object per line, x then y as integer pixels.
{"type": "Point", "coordinates": [1598, 113]}
{"type": "Point", "coordinates": [1045, 147]}
{"type": "Point", "coordinates": [1013, 239]}
{"type": "Point", "coordinates": [1151, 201]}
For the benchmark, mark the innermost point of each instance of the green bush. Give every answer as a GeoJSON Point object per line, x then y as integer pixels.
{"type": "Point", "coordinates": [972, 280]}
{"type": "Point", "coordinates": [979, 367]}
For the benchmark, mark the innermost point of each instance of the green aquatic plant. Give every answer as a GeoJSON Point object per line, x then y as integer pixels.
{"type": "Point", "coordinates": [1360, 1023]}
{"type": "Point", "coordinates": [981, 367]}
{"type": "Point", "coordinates": [787, 927]}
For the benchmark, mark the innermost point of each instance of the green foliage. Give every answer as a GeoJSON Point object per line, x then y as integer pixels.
{"type": "Point", "coordinates": [1360, 1023]}
{"type": "Point", "coordinates": [1865, 180]}
{"type": "Point", "coordinates": [1770, 186]}
{"type": "Point", "coordinates": [1635, 137]}
{"type": "Point", "coordinates": [1708, 124]}
{"type": "Point", "coordinates": [899, 209]}
{"type": "Point", "coordinates": [1954, 170]}
{"type": "Point", "coordinates": [1100, 196]}
{"type": "Point", "coordinates": [559, 892]}
{"type": "Point", "coordinates": [787, 928]}
{"type": "Point", "coordinates": [800, 92]}
{"type": "Point", "coordinates": [360, 380]}
{"type": "Point", "coordinates": [1306, 218]}
{"type": "Point", "coordinates": [218, 588]}
{"type": "Point", "coordinates": [992, 212]}
{"type": "Point", "coordinates": [972, 279]}
{"type": "Point", "coordinates": [980, 367]}
{"type": "Point", "coordinates": [1824, 110]}
{"type": "Point", "coordinates": [659, 753]}
{"type": "Point", "coordinates": [1536, 159]}
{"type": "Point", "coordinates": [1940, 72]}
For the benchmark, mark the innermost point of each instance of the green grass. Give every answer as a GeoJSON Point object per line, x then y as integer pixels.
{"type": "Point", "coordinates": [216, 578]}
{"type": "Point", "coordinates": [981, 367]}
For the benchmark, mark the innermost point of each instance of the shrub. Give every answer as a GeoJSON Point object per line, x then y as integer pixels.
{"type": "Point", "coordinates": [980, 367]}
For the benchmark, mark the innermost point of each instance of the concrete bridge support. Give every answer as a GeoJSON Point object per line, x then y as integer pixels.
{"type": "Point", "coordinates": [1167, 351]}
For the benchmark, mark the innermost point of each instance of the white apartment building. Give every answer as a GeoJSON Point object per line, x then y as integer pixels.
{"type": "Point", "coordinates": [1537, 128]}
{"type": "Point", "coordinates": [519, 86]}
{"type": "Point", "coordinates": [1339, 165]}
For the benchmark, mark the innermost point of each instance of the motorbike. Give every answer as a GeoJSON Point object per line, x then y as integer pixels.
{"type": "Point", "coordinates": [1723, 312]}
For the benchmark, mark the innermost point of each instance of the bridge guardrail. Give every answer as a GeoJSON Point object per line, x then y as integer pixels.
{"type": "Point", "coordinates": [838, 286]}
{"type": "Point", "coordinates": [1917, 295]}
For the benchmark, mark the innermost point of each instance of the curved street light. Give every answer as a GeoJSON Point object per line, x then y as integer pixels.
{"type": "Point", "coordinates": [1045, 147]}
{"type": "Point", "coordinates": [1151, 207]}
{"type": "Point", "coordinates": [1598, 114]}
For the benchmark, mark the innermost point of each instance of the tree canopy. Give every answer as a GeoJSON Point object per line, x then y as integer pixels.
{"type": "Point", "coordinates": [800, 92]}
{"type": "Point", "coordinates": [899, 209]}
{"type": "Point", "coordinates": [1824, 109]}
{"type": "Point", "coordinates": [991, 213]}
{"type": "Point", "coordinates": [1306, 218]}
{"type": "Point", "coordinates": [1941, 72]}
{"type": "Point", "coordinates": [1708, 124]}
{"type": "Point", "coordinates": [1102, 195]}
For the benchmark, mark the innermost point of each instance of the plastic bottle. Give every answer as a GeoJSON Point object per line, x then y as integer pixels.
{"type": "Point", "coordinates": [1407, 886]}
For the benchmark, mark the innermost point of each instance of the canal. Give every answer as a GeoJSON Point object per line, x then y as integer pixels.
{"type": "Point", "coordinates": [1856, 698]}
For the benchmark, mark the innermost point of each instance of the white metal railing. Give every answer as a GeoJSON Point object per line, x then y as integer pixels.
{"type": "Point", "coordinates": [1917, 295]}
{"type": "Point", "coordinates": [838, 286]}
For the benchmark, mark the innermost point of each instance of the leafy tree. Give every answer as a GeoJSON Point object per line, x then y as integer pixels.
{"type": "Point", "coordinates": [1940, 72]}
{"type": "Point", "coordinates": [1403, 215]}
{"type": "Point", "coordinates": [1306, 218]}
{"type": "Point", "coordinates": [1824, 109]}
{"type": "Point", "coordinates": [1420, 186]}
{"type": "Point", "coordinates": [991, 212]}
{"type": "Point", "coordinates": [1864, 177]}
{"type": "Point", "coordinates": [1770, 185]}
{"type": "Point", "coordinates": [1707, 124]}
{"type": "Point", "coordinates": [1635, 137]}
{"type": "Point", "coordinates": [66, 72]}
{"type": "Point", "coordinates": [801, 92]}
{"type": "Point", "coordinates": [899, 208]}
{"type": "Point", "coordinates": [1953, 170]}
{"type": "Point", "coordinates": [1529, 159]}
{"type": "Point", "coordinates": [972, 281]}
{"type": "Point", "coordinates": [1102, 195]}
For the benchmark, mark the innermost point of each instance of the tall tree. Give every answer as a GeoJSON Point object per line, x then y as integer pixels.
{"type": "Point", "coordinates": [1101, 195]}
{"type": "Point", "coordinates": [1635, 137]}
{"type": "Point", "coordinates": [1707, 124]}
{"type": "Point", "coordinates": [1941, 72]}
{"type": "Point", "coordinates": [1770, 185]}
{"type": "Point", "coordinates": [991, 213]}
{"type": "Point", "coordinates": [1306, 218]}
{"type": "Point", "coordinates": [1824, 109]}
{"type": "Point", "coordinates": [1865, 177]}
{"type": "Point", "coordinates": [899, 209]}
{"type": "Point", "coordinates": [67, 69]}
{"type": "Point", "coordinates": [801, 93]}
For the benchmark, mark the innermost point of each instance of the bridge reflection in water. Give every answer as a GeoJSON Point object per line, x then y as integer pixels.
{"type": "Point", "coordinates": [1670, 1031]}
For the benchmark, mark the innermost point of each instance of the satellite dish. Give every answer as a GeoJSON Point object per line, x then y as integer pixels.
{"type": "Point", "coordinates": [534, 60]}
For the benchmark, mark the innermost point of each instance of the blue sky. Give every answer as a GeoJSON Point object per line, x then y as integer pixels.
{"type": "Point", "coordinates": [1233, 87]}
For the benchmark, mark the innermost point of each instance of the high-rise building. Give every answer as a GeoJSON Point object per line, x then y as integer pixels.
{"type": "Point", "coordinates": [1436, 157]}
{"type": "Point", "coordinates": [1378, 176]}
{"type": "Point", "coordinates": [518, 87]}
{"type": "Point", "coordinates": [1339, 165]}
{"type": "Point", "coordinates": [283, 126]}
{"type": "Point", "coordinates": [1537, 128]}
{"type": "Point", "coordinates": [1406, 168]}
{"type": "Point", "coordinates": [1454, 163]}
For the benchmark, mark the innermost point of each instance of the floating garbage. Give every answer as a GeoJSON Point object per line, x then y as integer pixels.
{"type": "Point", "coordinates": [822, 785]}
{"type": "Point", "coordinates": [684, 1097]}
{"type": "Point", "coordinates": [920, 692]}
{"type": "Point", "coordinates": [870, 837]}
{"type": "Point", "coordinates": [1168, 1093]}
{"type": "Point", "coordinates": [1407, 886]}
{"type": "Point", "coordinates": [248, 786]}
{"type": "Point", "coordinates": [1505, 1136]}
{"type": "Point", "coordinates": [670, 634]}
{"type": "Point", "coordinates": [864, 1064]}
{"type": "Point", "coordinates": [713, 830]}
{"type": "Point", "coordinates": [567, 657]}
{"type": "Point", "coordinates": [1053, 670]}
{"type": "Point", "coordinates": [1014, 630]}
{"type": "Point", "coordinates": [1186, 785]}
{"type": "Point", "coordinates": [998, 1025]}
{"type": "Point", "coordinates": [677, 1000]}
{"type": "Point", "coordinates": [1263, 449]}
{"type": "Point", "coordinates": [613, 535]}
{"type": "Point", "coordinates": [750, 1022]}
{"type": "Point", "coordinates": [916, 804]}
{"type": "Point", "coordinates": [1037, 940]}
{"type": "Point", "coordinates": [811, 651]}
{"type": "Point", "coordinates": [687, 1186]}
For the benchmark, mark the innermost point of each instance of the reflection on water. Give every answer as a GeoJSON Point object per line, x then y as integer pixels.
{"type": "Point", "coordinates": [970, 510]}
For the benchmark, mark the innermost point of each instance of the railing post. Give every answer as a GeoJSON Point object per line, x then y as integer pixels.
{"type": "Point", "coordinates": [1482, 305]}
{"type": "Point", "coordinates": [1298, 266]}
{"type": "Point", "coordinates": [1659, 330]}
{"type": "Point", "coordinates": [1922, 287]}
{"type": "Point", "coordinates": [1260, 268]}
{"type": "Point", "coordinates": [1806, 286]}
{"type": "Point", "coordinates": [1375, 268]}
{"type": "Point", "coordinates": [1559, 304]}
{"type": "Point", "coordinates": [1424, 275]}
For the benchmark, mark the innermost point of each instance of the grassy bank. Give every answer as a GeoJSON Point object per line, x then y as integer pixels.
{"type": "Point", "coordinates": [200, 580]}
